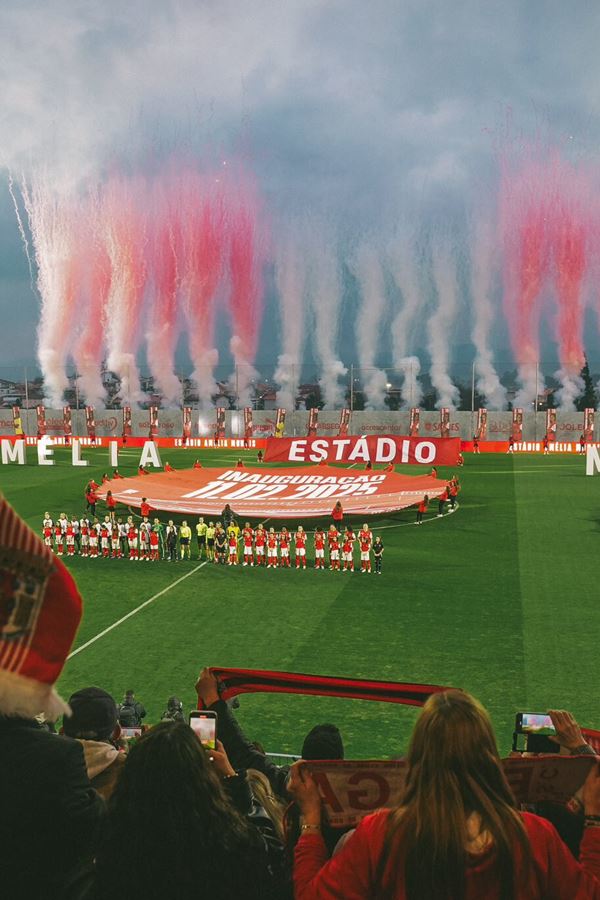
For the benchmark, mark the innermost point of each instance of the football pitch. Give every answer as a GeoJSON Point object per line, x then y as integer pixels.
{"type": "Point", "coordinates": [500, 598]}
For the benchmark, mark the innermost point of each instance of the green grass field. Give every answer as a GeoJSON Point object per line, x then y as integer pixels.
{"type": "Point", "coordinates": [500, 598]}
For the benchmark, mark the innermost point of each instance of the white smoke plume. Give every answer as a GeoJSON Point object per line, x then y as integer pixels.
{"type": "Point", "coordinates": [53, 225]}
{"type": "Point", "coordinates": [531, 383]}
{"type": "Point", "coordinates": [439, 326]}
{"type": "Point", "coordinates": [402, 260]}
{"type": "Point", "coordinates": [483, 268]}
{"type": "Point", "coordinates": [365, 264]}
{"type": "Point", "coordinates": [571, 387]}
{"type": "Point", "coordinates": [290, 278]}
{"type": "Point", "coordinates": [326, 298]}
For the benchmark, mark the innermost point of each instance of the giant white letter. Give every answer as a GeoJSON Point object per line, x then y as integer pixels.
{"type": "Point", "coordinates": [45, 451]}
{"type": "Point", "coordinates": [113, 454]}
{"type": "Point", "coordinates": [13, 453]}
{"type": "Point", "coordinates": [76, 459]}
{"type": "Point", "coordinates": [150, 455]}
{"type": "Point", "coordinates": [297, 451]}
{"type": "Point", "coordinates": [592, 460]}
{"type": "Point", "coordinates": [386, 450]}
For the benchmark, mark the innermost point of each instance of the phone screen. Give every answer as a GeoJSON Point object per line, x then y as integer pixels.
{"type": "Point", "coordinates": [131, 732]}
{"type": "Point", "coordinates": [206, 729]}
{"type": "Point", "coordinates": [537, 723]}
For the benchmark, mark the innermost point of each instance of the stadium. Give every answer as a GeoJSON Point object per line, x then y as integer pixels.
{"type": "Point", "coordinates": [348, 437]}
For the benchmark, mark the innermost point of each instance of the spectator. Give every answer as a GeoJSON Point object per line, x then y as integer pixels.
{"type": "Point", "coordinates": [457, 833]}
{"type": "Point", "coordinates": [182, 824]}
{"type": "Point", "coordinates": [322, 742]}
{"type": "Point", "coordinates": [131, 711]}
{"type": "Point", "coordinates": [94, 723]}
{"type": "Point", "coordinates": [272, 805]}
{"type": "Point", "coordinates": [49, 814]}
{"type": "Point", "coordinates": [174, 710]}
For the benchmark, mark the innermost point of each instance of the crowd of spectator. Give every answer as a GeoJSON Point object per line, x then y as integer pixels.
{"type": "Point", "coordinates": [107, 805]}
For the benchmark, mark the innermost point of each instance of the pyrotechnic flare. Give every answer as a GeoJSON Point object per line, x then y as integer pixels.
{"type": "Point", "coordinates": [525, 203]}
{"type": "Point", "coordinates": [290, 277]}
{"type": "Point", "coordinates": [366, 266]}
{"type": "Point", "coordinates": [326, 296]}
{"type": "Point", "coordinates": [89, 347]}
{"type": "Point", "coordinates": [439, 326]}
{"type": "Point", "coordinates": [53, 221]}
{"type": "Point", "coordinates": [402, 257]}
{"type": "Point", "coordinates": [125, 234]}
{"type": "Point", "coordinates": [246, 261]}
{"type": "Point", "coordinates": [569, 240]}
{"type": "Point", "coordinates": [163, 250]}
{"type": "Point", "coordinates": [203, 224]}
{"type": "Point", "coordinates": [484, 265]}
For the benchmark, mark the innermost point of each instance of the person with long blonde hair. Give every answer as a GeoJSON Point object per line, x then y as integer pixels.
{"type": "Point", "coordinates": [457, 834]}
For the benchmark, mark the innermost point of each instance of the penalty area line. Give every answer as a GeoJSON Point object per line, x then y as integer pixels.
{"type": "Point", "coordinates": [133, 612]}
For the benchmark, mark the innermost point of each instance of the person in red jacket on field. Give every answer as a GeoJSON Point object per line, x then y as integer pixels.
{"type": "Point", "coordinates": [337, 513]}
{"type": "Point", "coordinates": [389, 468]}
{"type": "Point", "coordinates": [197, 464]}
{"type": "Point", "coordinates": [422, 508]}
{"type": "Point", "coordinates": [458, 832]}
{"type": "Point", "coordinates": [169, 467]}
{"type": "Point", "coordinates": [145, 508]}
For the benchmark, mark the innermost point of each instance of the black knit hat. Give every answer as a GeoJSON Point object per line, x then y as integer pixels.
{"type": "Point", "coordinates": [323, 742]}
{"type": "Point", "coordinates": [94, 712]}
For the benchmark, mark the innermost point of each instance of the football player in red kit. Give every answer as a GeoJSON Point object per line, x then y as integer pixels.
{"type": "Point", "coordinates": [84, 528]}
{"type": "Point", "coordinates": [169, 467]}
{"type": "Point", "coordinates": [260, 540]}
{"type": "Point", "coordinates": [144, 539]}
{"type": "Point", "coordinates": [132, 538]}
{"type": "Point", "coordinates": [115, 541]}
{"type": "Point", "coordinates": [319, 549]}
{"type": "Point", "coordinates": [347, 548]}
{"type": "Point", "coordinates": [233, 549]}
{"type": "Point", "coordinates": [94, 537]}
{"type": "Point", "coordinates": [70, 536]}
{"type": "Point", "coordinates": [334, 550]}
{"type": "Point", "coordinates": [271, 549]}
{"type": "Point", "coordinates": [154, 546]}
{"type": "Point", "coordinates": [105, 530]}
{"type": "Point", "coordinates": [58, 540]}
{"type": "Point", "coordinates": [365, 539]}
{"type": "Point", "coordinates": [248, 539]}
{"type": "Point", "coordinates": [300, 547]}
{"type": "Point", "coordinates": [284, 544]}
{"type": "Point", "coordinates": [47, 529]}
{"type": "Point", "coordinates": [197, 464]}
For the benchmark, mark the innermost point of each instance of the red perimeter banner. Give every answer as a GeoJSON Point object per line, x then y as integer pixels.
{"type": "Point", "coordinates": [374, 448]}
{"type": "Point", "coordinates": [352, 789]}
{"type": "Point", "coordinates": [275, 493]}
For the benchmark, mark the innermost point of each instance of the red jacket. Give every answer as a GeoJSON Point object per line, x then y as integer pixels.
{"type": "Point", "coordinates": [337, 514]}
{"type": "Point", "coordinates": [349, 874]}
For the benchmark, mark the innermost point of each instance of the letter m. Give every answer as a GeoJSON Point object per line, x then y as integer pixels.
{"type": "Point", "coordinates": [13, 452]}
{"type": "Point", "coordinates": [592, 460]}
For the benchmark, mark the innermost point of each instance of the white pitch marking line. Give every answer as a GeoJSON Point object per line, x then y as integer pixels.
{"type": "Point", "coordinates": [136, 610]}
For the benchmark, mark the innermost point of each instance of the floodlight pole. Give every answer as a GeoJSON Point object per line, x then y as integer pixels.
{"type": "Point", "coordinates": [26, 388]}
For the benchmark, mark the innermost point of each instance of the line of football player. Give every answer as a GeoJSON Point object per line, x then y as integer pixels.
{"type": "Point", "coordinates": [114, 538]}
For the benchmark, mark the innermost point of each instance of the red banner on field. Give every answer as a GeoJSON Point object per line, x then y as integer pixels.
{"type": "Point", "coordinates": [376, 449]}
{"type": "Point", "coordinates": [351, 789]}
{"type": "Point", "coordinates": [294, 493]}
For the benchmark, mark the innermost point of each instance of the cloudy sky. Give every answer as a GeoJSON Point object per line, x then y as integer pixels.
{"type": "Point", "coordinates": [365, 112]}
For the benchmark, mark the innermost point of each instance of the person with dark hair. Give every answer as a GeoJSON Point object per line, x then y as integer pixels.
{"type": "Point", "coordinates": [131, 711]}
{"type": "Point", "coordinates": [457, 834]}
{"type": "Point", "coordinates": [322, 742]}
{"type": "Point", "coordinates": [228, 516]}
{"type": "Point", "coordinates": [421, 509]}
{"type": "Point", "coordinates": [174, 711]}
{"type": "Point", "coordinates": [182, 823]}
{"type": "Point", "coordinates": [378, 554]}
{"type": "Point", "coordinates": [94, 723]}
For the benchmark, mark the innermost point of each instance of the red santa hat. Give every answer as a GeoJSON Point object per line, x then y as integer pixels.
{"type": "Point", "coordinates": [40, 611]}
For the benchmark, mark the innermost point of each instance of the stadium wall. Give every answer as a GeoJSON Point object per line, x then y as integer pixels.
{"type": "Point", "coordinates": [109, 423]}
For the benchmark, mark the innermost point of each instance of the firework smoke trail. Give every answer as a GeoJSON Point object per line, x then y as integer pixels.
{"type": "Point", "coordinates": [290, 278]}
{"type": "Point", "coordinates": [246, 261]}
{"type": "Point", "coordinates": [54, 226]}
{"type": "Point", "coordinates": [484, 264]}
{"type": "Point", "coordinates": [402, 261]}
{"type": "Point", "coordinates": [525, 201]}
{"type": "Point", "coordinates": [326, 296]}
{"type": "Point", "coordinates": [163, 250]}
{"type": "Point", "coordinates": [440, 324]}
{"type": "Point", "coordinates": [366, 267]}
{"type": "Point", "coordinates": [569, 240]}
{"type": "Point", "coordinates": [125, 235]}
{"type": "Point", "coordinates": [89, 346]}
{"type": "Point", "coordinates": [203, 230]}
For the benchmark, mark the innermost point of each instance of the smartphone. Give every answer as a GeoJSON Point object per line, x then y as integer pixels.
{"type": "Point", "coordinates": [534, 723]}
{"type": "Point", "coordinates": [129, 733]}
{"type": "Point", "coordinates": [204, 723]}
